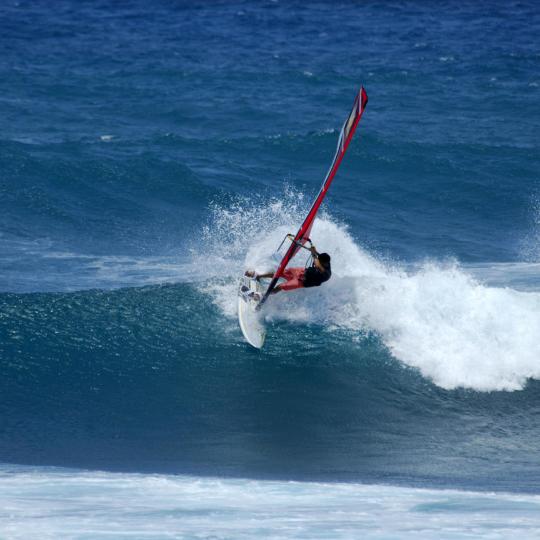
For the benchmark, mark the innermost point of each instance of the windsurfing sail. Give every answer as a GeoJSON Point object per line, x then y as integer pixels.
{"type": "Point", "coordinates": [301, 237]}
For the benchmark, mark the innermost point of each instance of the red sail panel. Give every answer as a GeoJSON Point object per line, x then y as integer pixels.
{"type": "Point", "coordinates": [347, 132]}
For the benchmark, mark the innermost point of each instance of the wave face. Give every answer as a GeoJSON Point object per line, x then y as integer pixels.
{"type": "Point", "coordinates": [158, 378]}
{"type": "Point", "coordinates": [147, 157]}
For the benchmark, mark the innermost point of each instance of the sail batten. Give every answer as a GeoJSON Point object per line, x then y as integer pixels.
{"type": "Point", "coordinates": [345, 136]}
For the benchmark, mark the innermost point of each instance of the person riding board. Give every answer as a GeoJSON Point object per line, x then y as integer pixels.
{"type": "Point", "coordinates": [313, 276]}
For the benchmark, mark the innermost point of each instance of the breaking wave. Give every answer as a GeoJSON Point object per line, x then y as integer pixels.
{"type": "Point", "coordinates": [437, 317]}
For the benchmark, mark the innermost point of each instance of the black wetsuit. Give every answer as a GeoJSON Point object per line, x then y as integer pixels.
{"type": "Point", "coordinates": [313, 277]}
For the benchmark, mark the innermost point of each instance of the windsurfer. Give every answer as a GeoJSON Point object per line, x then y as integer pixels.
{"type": "Point", "coordinates": [313, 276]}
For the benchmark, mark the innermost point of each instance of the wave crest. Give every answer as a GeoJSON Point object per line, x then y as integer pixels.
{"type": "Point", "coordinates": [438, 318]}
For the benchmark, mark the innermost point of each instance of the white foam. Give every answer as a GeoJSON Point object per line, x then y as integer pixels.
{"type": "Point", "coordinates": [438, 318]}
{"type": "Point", "coordinates": [56, 503]}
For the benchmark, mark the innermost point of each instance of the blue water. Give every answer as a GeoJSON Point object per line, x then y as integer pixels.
{"type": "Point", "coordinates": [149, 154]}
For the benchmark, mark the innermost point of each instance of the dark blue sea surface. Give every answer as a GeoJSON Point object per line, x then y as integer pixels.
{"type": "Point", "coordinates": [151, 152]}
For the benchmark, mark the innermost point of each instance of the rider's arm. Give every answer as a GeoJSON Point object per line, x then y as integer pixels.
{"type": "Point", "coordinates": [314, 251]}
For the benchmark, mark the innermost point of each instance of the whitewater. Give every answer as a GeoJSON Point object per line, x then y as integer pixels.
{"type": "Point", "coordinates": [437, 317]}
{"type": "Point", "coordinates": [102, 505]}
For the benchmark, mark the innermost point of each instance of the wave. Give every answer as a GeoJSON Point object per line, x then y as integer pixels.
{"type": "Point", "coordinates": [471, 327]}
{"type": "Point", "coordinates": [84, 201]}
{"type": "Point", "coordinates": [134, 195]}
{"type": "Point", "coordinates": [159, 379]}
{"type": "Point", "coordinates": [438, 318]}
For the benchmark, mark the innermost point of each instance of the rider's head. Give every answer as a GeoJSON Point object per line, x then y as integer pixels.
{"type": "Point", "coordinates": [324, 259]}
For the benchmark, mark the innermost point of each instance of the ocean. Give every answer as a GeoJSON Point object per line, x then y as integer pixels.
{"type": "Point", "coordinates": [150, 153]}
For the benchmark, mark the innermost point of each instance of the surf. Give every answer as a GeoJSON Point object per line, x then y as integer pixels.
{"type": "Point", "coordinates": [435, 316]}
{"type": "Point", "coordinates": [53, 501]}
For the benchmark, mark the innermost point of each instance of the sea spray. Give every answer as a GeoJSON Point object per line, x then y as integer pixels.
{"type": "Point", "coordinates": [437, 318]}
